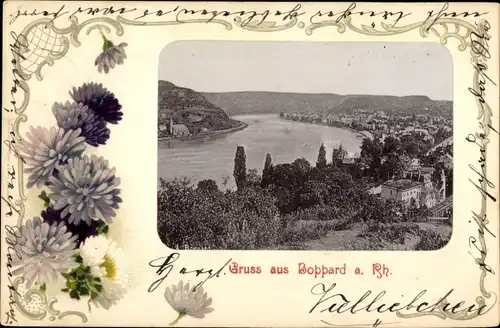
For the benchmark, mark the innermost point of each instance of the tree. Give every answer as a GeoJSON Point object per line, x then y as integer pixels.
{"type": "Point", "coordinates": [302, 164]}
{"type": "Point", "coordinates": [225, 180]}
{"type": "Point", "coordinates": [413, 207]}
{"type": "Point", "coordinates": [208, 185]}
{"type": "Point", "coordinates": [253, 178]}
{"type": "Point", "coordinates": [391, 145]}
{"type": "Point", "coordinates": [240, 167]}
{"type": "Point", "coordinates": [371, 156]}
{"type": "Point", "coordinates": [394, 165]}
{"type": "Point", "coordinates": [267, 171]}
{"type": "Point", "coordinates": [321, 162]}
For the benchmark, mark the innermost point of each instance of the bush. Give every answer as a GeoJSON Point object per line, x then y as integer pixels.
{"type": "Point", "coordinates": [388, 233]}
{"type": "Point", "coordinates": [296, 233]}
{"type": "Point", "coordinates": [210, 219]}
{"type": "Point", "coordinates": [430, 241]}
{"type": "Point", "coordinates": [208, 185]}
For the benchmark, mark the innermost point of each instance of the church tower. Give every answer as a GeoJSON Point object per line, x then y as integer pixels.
{"type": "Point", "coordinates": [171, 126]}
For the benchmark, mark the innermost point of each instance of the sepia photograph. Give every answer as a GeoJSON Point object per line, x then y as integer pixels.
{"type": "Point", "coordinates": [305, 146]}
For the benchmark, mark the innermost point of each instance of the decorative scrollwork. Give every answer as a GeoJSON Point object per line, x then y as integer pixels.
{"type": "Point", "coordinates": [265, 26]}
{"type": "Point", "coordinates": [425, 29]}
{"type": "Point", "coordinates": [47, 42]}
{"type": "Point", "coordinates": [33, 303]}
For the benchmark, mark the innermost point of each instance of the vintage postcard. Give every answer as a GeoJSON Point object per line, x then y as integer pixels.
{"type": "Point", "coordinates": [232, 164]}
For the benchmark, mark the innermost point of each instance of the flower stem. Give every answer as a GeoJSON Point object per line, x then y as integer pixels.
{"type": "Point", "coordinates": [102, 34]}
{"type": "Point", "coordinates": [181, 314]}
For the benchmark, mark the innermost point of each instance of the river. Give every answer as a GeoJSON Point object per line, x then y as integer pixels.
{"type": "Point", "coordinates": [213, 158]}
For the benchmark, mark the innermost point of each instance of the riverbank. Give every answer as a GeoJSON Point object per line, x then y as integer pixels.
{"type": "Point", "coordinates": [204, 135]}
{"type": "Point", "coordinates": [333, 125]}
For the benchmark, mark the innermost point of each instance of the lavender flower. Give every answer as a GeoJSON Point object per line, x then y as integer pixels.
{"type": "Point", "coordinates": [45, 250]}
{"type": "Point", "coordinates": [72, 116]}
{"type": "Point", "coordinates": [43, 150]}
{"type": "Point", "coordinates": [81, 231]}
{"type": "Point", "coordinates": [100, 100]}
{"type": "Point", "coordinates": [111, 55]}
{"type": "Point", "coordinates": [86, 189]}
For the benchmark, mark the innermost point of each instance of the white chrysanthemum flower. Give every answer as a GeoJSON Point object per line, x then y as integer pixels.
{"type": "Point", "coordinates": [44, 149]}
{"type": "Point", "coordinates": [106, 261]}
{"type": "Point", "coordinates": [186, 301]}
{"type": "Point", "coordinates": [86, 189]}
{"type": "Point", "coordinates": [44, 251]}
{"type": "Point", "coordinates": [112, 55]}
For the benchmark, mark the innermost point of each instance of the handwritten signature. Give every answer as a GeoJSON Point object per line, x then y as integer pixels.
{"type": "Point", "coordinates": [165, 266]}
{"type": "Point", "coordinates": [368, 302]}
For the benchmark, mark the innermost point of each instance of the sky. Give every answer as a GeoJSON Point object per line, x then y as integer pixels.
{"type": "Point", "coordinates": [399, 69]}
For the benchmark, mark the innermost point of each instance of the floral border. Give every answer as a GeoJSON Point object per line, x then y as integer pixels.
{"type": "Point", "coordinates": [69, 237]}
{"type": "Point", "coordinates": [445, 29]}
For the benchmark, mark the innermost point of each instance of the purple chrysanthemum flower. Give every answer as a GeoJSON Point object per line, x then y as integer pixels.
{"type": "Point", "coordinates": [44, 149]}
{"type": "Point", "coordinates": [72, 116]}
{"type": "Point", "coordinates": [86, 189]}
{"type": "Point", "coordinates": [100, 100]}
{"type": "Point", "coordinates": [110, 56]}
{"type": "Point", "coordinates": [82, 231]}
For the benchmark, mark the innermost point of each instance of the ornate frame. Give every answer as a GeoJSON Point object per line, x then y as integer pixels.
{"type": "Point", "coordinates": [68, 36]}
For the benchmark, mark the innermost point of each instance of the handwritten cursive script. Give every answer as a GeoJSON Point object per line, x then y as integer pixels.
{"type": "Point", "coordinates": [11, 210]}
{"type": "Point", "coordinates": [339, 303]}
{"type": "Point", "coordinates": [434, 17]}
{"type": "Point", "coordinates": [479, 45]}
{"type": "Point", "coordinates": [248, 17]}
{"type": "Point", "coordinates": [165, 266]}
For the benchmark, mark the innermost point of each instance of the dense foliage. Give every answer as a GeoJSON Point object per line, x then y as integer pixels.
{"type": "Point", "coordinates": [293, 202]}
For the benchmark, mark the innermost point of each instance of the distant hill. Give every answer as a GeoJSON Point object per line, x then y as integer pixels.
{"type": "Point", "coordinates": [189, 107]}
{"type": "Point", "coordinates": [257, 102]}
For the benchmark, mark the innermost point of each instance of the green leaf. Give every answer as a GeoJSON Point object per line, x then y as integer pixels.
{"type": "Point", "coordinates": [74, 295]}
{"type": "Point", "coordinates": [84, 291]}
{"type": "Point", "coordinates": [80, 273]}
{"type": "Point", "coordinates": [46, 200]}
{"type": "Point", "coordinates": [107, 44]}
{"type": "Point", "coordinates": [71, 284]}
{"type": "Point", "coordinates": [102, 227]}
{"type": "Point", "coordinates": [78, 259]}
{"type": "Point", "coordinates": [43, 287]}
{"type": "Point", "coordinates": [98, 288]}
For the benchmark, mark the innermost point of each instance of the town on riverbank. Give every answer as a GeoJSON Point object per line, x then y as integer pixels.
{"type": "Point", "coordinates": [370, 124]}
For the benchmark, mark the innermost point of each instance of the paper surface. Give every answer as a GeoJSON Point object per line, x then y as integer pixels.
{"type": "Point", "coordinates": [102, 100]}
